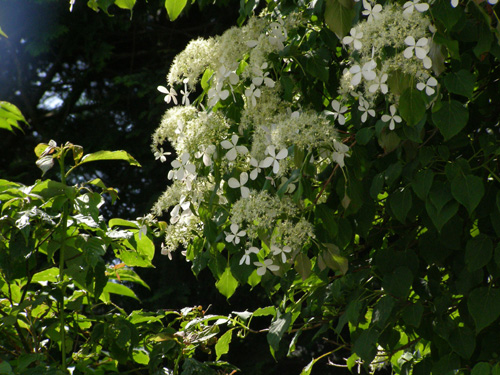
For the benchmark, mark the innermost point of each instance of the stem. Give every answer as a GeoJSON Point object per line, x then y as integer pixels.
{"type": "Point", "coordinates": [64, 226]}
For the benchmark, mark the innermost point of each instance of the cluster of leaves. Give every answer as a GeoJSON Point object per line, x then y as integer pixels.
{"type": "Point", "coordinates": [57, 283]}
{"type": "Point", "coordinates": [415, 211]}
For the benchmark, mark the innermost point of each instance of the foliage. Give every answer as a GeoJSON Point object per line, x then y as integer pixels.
{"type": "Point", "coordinates": [381, 235]}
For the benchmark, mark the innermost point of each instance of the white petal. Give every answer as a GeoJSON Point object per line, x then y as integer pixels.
{"type": "Point", "coordinates": [282, 154]}
{"type": "Point", "coordinates": [243, 178]}
{"type": "Point", "coordinates": [356, 79]}
{"type": "Point", "coordinates": [245, 192]}
{"type": "Point", "coordinates": [410, 41]}
{"type": "Point", "coordinates": [420, 53]}
{"type": "Point", "coordinates": [408, 52]}
{"type": "Point", "coordinates": [233, 183]}
{"type": "Point", "coordinates": [432, 82]}
{"type": "Point", "coordinates": [242, 150]}
{"type": "Point", "coordinates": [421, 86]}
{"type": "Point", "coordinates": [162, 89]}
{"type": "Point", "coordinates": [422, 7]}
{"type": "Point", "coordinates": [267, 162]}
{"type": "Point", "coordinates": [224, 94]}
{"type": "Point", "coordinates": [231, 154]}
{"type": "Point", "coordinates": [386, 118]}
{"type": "Point", "coordinates": [226, 144]}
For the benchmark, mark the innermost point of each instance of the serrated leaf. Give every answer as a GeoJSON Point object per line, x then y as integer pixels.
{"type": "Point", "coordinates": [227, 284]}
{"type": "Point", "coordinates": [484, 306]}
{"type": "Point", "coordinates": [478, 252]}
{"type": "Point", "coordinates": [412, 106]}
{"type": "Point", "coordinates": [467, 190]}
{"type": "Point", "coordinates": [222, 346]}
{"type": "Point", "coordinates": [339, 16]}
{"type": "Point", "coordinates": [174, 8]}
{"type": "Point", "coordinates": [451, 118]}
{"type": "Point", "coordinates": [461, 83]}
{"type": "Point", "coordinates": [110, 155]}
{"type": "Point", "coordinates": [400, 202]}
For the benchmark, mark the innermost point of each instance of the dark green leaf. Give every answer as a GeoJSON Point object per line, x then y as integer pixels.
{"type": "Point", "coordinates": [364, 135]}
{"type": "Point", "coordinates": [461, 83]}
{"type": "Point", "coordinates": [400, 202]}
{"type": "Point", "coordinates": [481, 368]}
{"type": "Point", "coordinates": [398, 282]}
{"type": "Point", "coordinates": [478, 252]}
{"type": "Point", "coordinates": [422, 183]}
{"type": "Point", "coordinates": [339, 16]}
{"type": "Point", "coordinates": [365, 345]}
{"type": "Point", "coordinates": [276, 331]}
{"type": "Point", "coordinates": [450, 118]}
{"type": "Point", "coordinates": [463, 341]}
{"type": "Point", "coordinates": [467, 190]}
{"type": "Point", "coordinates": [484, 306]}
{"type": "Point", "coordinates": [412, 314]}
{"type": "Point", "coordinates": [412, 106]}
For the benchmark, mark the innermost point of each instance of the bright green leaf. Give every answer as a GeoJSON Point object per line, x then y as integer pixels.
{"type": "Point", "coordinates": [2, 33]}
{"type": "Point", "coordinates": [125, 4]}
{"type": "Point", "coordinates": [227, 284]}
{"type": "Point", "coordinates": [450, 118]}
{"type": "Point", "coordinates": [120, 289]}
{"type": "Point", "coordinates": [484, 306]}
{"type": "Point", "coordinates": [174, 8]}
{"type": "Point", "coordinates": [110, 155]}
{"type": "Point", "coordinates": [222, 346]}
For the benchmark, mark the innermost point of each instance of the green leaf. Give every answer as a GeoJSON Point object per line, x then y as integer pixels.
{"type": "Point", "coordinates": [422, 183]}
{"type": "Point", "coordinates": [412, 314]}
{"type": "Point", "coordinates": [308, 368]}
{"type": "Point", "coordinates": [478, 252]}
{"type": "Point", "coordinates": [467, 190]}
{"type": "Point", "coordinates": [303, 265]}
{"type": "Point", "coordinates": [446, 14]}
{"type": "Point", "coordinates": [120, 289]}
{"type": "Point", "coordinates": [400, 202]}
{"type": "Point", "coordinates": [412, 106]}
{"type": "Point", "coordinates": [110, 155]}
{"type": "Point", "coordinates": [450, 118]}
{"type": "Point", "coordinates": [227, 284]}
{"type": "Point", "coordinates": [364, 346]}
{"type": "Point", "coordinates": [222, 346]}
{"type": "Point", "coordinates": [364, 135]}
{"type": "Point", "coordinates": [137, 252]}
{"type": "Point", "coordinates": [484, 306]}
{"type": "Point", "coordinates": [125, 4]}
{"type": "Point", "coordinates": [461, 83]}
{"type": "Point", "coordinates": [2, 33]}
{"type": "Point", "coordinates": [463, 341]}
{"type": "Point", "coordinates": [174, 8]}
{"type": "Point", "coordinates": [441, 217]}
{"type": "Point", "coordinates": [481, 368]}
{"type": "Point", "coordinates": [50, 275]}
{"type": "Point", "coordinates": [382, 311]}
{"type": "Point", "coordinates": [339, 16]}
{"type": "Point", "coordinates": [398, 282]}
{"type": "Point", "coordinates": [276, 331]}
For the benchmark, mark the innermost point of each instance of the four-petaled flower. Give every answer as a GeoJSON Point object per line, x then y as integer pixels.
{"type": "Point", "coordinates": [265, 265]}
{"type": "Point", "coordinates": [206, 153]}
{"type": "Point", "coordinates": [410, 6]}
{"type": "Point", "coordinates": [252, 93]}
{"type": "Point", "coordinates": [257, 168]}
{"type": "Point", "coordinates": [273, 158]}
{"type": "Point", "coordinates": [379, 83]}
{"type": "Point", "coordinates": [393, 118]}
{"type": "Point", "coordinates": [261, 77]}
{"type": "Point", "coordinates": [234, 150]}
{"type": "Point", "coordinates": [184, 167]}
{"type": "Point", "coordinates": [373, 12]}
{"type": "Point", "coordinates": [366, 71]}
{"type": "Point", "coordinates": [181, 211]}
{"type": "Point", "coordinates": [185, 94]}
{"type": "Point", "coordinates": [170, 94]}
{"type": "Point", "coordinates": [420, 47]}
{"type": "Point", "coordinates": [340, 153]}
{"type": "Point", "coordinates": [364, 107]}
{"type": "Point", "coordinates": [428, 86]}
{"type": "Point", "coordinates": [217, 93]}
{"type": "Point", "coordinates": [234, 183]}
{"type": "Point", "coordinates": [338, 112]}
{"type": "Point", "coordinates": [235, 235]}
{"type": "Point", "coordinates": [160, 154]}
{"type": "Point", "coordinates": [246, 257]}
{"type": "Point", "coordinates": [354, 38]}
{"type": "Point", "coordinates": [281, 251]}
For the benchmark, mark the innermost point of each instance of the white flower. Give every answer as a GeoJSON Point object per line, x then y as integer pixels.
{"type": "Point", "coordinates": [234, 150]}
{"type": "Point", "coordinates": [428, 86]}
{"type": "Point", "coordinates": [216, 94]}
{"type": "Point", "coordinates": [252, 93]}
{"type": "Point", "coordinates": [410, 6]}
{"type": "Point", "coordinates": [366, 71]}
{"type": "Point", "coordinates": [206, 153]}
{"type": "Point", "coordinates": [277, 251]}
{"type": "Point", "coordinates": [170, 94]}
{"type": "Point", "coordinates": [185, 94]}
{"type": "Point", "coordinates": [261, 77]}
{"type": "Point", "coordinates": [257, 168]}
{"type": "Point", "coordinates": [277, 34]}
{"type": "Point", "coordinates": [290, 187]}
{"type": "Point", "coordinates": [180, 211]}
{"type": "Point", "coordinates": [340, 153]}
{"type": "Point", "coordinates": [246, 257]}
{"type": "Point", "coordinates": [184, 167]}
{"type": "Point", "coordinates": [159, 154]}
{"type": "Point", "coordinates": [265, 265]}
{"type": "Point", "coordinates": [234, 183]}
{"type": "Point", "coordinates": [71, 3]}
{"type": "Point", "coordinates": [492, 2]}
{"type": "Point", "coordinates": [338, 112]}
{"type": "Point", "coordinates": [454, 3]}
{"type": "Point", "coordinates": [235, 235]}
{"type": "Point", "coordinates": [354, 38]}
{"type": "Point", "coordinates": [373, 13]}
{"type": "Point", "coordinates": [420, 47]}
{"type": "Point", "coordinates": [393, 118]}
{"type": "Point", "coordinates": [364, 107]}
{"type": "Point", "coordinates": [273, 158]}
{"type": "Point", "coordinates": [379, 84]}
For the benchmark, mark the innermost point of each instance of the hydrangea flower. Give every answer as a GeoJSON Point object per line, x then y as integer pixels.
{"type": "Point", "coordinates": [379, 83]}
{"type": "Point", "coordinates": [252, 93]}
{"type": "Point", "coordinates": [265, 265]}
{"type": "Point", "coordinates": [246, 257]}
{"type": "Point", "coordinates": [273, 158]}
{"type": "Point", "coordinates": [260, 77]}
{"type": "Point", "coordinates": [160, 154]}
{"type": "Point", "coordinates": [366, 72]}
{"type": "Point", "coordinates": [428, 86]}
{"type": "Point", "coordinates": [372, 12]}
{"type": "Point", "coordinates": [393, 118]}
{"type": "Point", "coordinates": [234, 183]}
{"type": "Point", "coordinates": [233, 148]}
{"type": "Point", "coordinates": [419, 47]}
{"type": "Point", "coordinates": [235, 235]}
{"type": "Point", "coordinates": [341, 151]}
{"type": "Point", "coordinates": [281, 251]}
{"type": "Point", "coordinates": [181, 211]}
{"type": "Point", "coordinates": [171, 95]}
{"type": "Point", "coordinates": [364, 107]}
{"type": "Point", "coordinates": [183, 167]}
{"type": "Point", "coordinates": [354, 38]}
{"type": "Point", "coordinates": [338, 112]}
{"type": "Point", "coordinates": [185, 94]}
{"type": "Point", "coordinates": [412, 5]}
{"type": "Point", "coordinates": [257, 168]}
{"type": "Point", "coordinates": [206, 154]}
